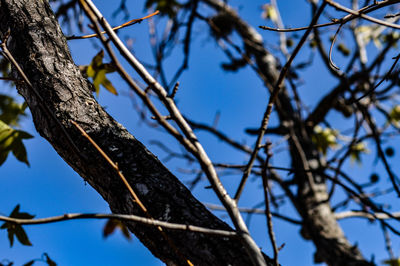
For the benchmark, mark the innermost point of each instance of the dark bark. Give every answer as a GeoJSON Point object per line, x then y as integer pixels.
{"type": "Point", "coordinates": [40, 48]}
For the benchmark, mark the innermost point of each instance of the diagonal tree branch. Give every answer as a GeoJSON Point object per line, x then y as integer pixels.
{"type": "Point", "coordinates": [40, 48]}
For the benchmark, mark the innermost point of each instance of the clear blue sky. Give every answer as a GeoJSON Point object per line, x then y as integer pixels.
{"type": "Point", "coordinates": [50, 187]}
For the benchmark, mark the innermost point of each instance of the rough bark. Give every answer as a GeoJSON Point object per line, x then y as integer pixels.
{"type": "Point", "coordinates": [40, 48]}
{"type": "Point", "coordinates": [311, 201]}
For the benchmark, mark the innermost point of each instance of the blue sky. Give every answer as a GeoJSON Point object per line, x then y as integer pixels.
{"type": "Point", "coordinates": [50, 187]}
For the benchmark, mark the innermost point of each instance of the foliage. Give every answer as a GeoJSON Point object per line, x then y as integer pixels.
{"type": "Point", "coordinates": [392, 262]}
{"type": "Point", "coordinates": [356, 150]}
{"type": "Point", "coordinates": [112, 225]}
{"type": "Point", "coordinates": [11, 141]}
{"type": "Point", "coordinates": [17, 230]}
{"type": "Point", "coordinates": [394, 116]}
{"type": "Point", "coordinates": [11, 111]}
{"type": "Point", "coordinates": [97, 70]}
{"type": "Point", "coordinates": [325, 138]}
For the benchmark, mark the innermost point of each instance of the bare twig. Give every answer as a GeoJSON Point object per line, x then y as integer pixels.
{"type": "Point", "coordinates": [362, 15]}
{"type": "Point", "coordinates": [361, 214]}
{"type": "Point", "coordinates": [272, 99]}
{"type": "Point", "coordinates": [122, 217]}
{"type": "Point", "coordinates": [331, 47]}
{"type": "Point", "coordinates": [396, 60]}
{"type": "Point", "coordinates": [388, 242]}
{"type": "Point", "coordinates": [251, 247]}
{"type": "Point", "coordinates": [126, 24]}
{"type": "Point", "coordinates": [114, 166]}
{"type": "Point", "coordinates": [268, 215]}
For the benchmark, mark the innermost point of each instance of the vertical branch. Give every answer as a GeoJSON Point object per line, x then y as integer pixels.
{"type": "Point", "coordinates": [268, 215]}
{"type": "Point", "coordinates": [272, 99]}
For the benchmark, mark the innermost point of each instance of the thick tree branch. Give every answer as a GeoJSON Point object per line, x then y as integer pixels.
{"type": "Point", "coordinates": [40, 48]}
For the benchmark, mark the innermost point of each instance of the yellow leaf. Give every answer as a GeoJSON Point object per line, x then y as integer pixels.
{"type": "Point", "coordinates": [392, 262]}
{"type": "Point", "coordinates": [90, 71]}
{"type": "Point", "coordinates": [107, 84]}
{"type": "Point", "coordinates": [97, 60]}
{"type": "Point", "coordinates": [270, 13]}
{"type": "Point", "coordinates": [97, 70]}
{"type": "Point", "coordinates": [99, 79]}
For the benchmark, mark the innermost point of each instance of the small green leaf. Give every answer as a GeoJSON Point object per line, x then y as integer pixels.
{"type": "Point", "coordinates": [16, 229]}
{"type": "Point", "coordinates": [269, 12]}
{"type": "Point", "coordinates": [10, 110]}
{"type": "Point", "coordinates": [343, 49]}
{"type": "Point", "coordinates": [392, 262]}
{"type": "Point", "coordinates": [11, 140]}
{"type": "Point", "coordinates": [394, 116]}
{"type": "Point", "coordinates": [22, 236]}
{"type": "Point", "coordinates": [356, 150]}
{"type": "Point", "coordinates": [324, 138]}
{"type": "Point", "coordinates": [108, 85]}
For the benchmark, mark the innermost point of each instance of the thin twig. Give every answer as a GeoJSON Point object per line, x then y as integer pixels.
{"type": "Point", "coordinates": [251, 247]}
{"type": "Point", "coordinates": [397, 58]}
{"type": "Point", "coordinates": [122, 217]}
{"type": "Point", "coordinates": [10, 79]}
{"type": "Point", "coordinates": [174, 91]}
{"type": "Point", "coordinates": [388, 242]}
{"type": "Point", "coordinates": [331, 47]}
{"type": "Point", "coordinates": [254, 211]}
{"type": "Point", "coordinates": [272, 99]}
{"type": "Point", "coordinates": [128, 186]}
{"type": "Point", "coordinates": [114, 166]}
{"type": "Point", "coordinates": [361, 15]}
{"type": "Point", "coordinates": [299, 28]}
{"type": "Point", "coordinates": [126, 24]}
{"type": "Point", "coordinates": [268, 215]}
{"type": "Point", "coordinates": [351, 16]}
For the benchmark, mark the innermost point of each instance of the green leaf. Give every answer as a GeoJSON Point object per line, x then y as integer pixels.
{"type": "Point", "coordinates": [10, 110]}
{"type": "Point", "coordinates": [324, 138]}
{"type": "Point", "coordinates": [11, 140]}
{"type": "Point", "coordinates": [394, 116]}
{"type": "Point", "coordinates": [17, 230]}
{"type": "Point", "coordinates": [108, 85]}
{"type": "Point", "coordinates": [356, 150]}
{"type": "Point", "coordinates": [343, 49]}
{"type": "Point", "coordinates": [269, 12]}
{"type": "Point", "coordinates": [392, 262]}
{"type": "Point", "coordinates": [5, 67]}
{"type": "Point", "coordinates": [22, 236]}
